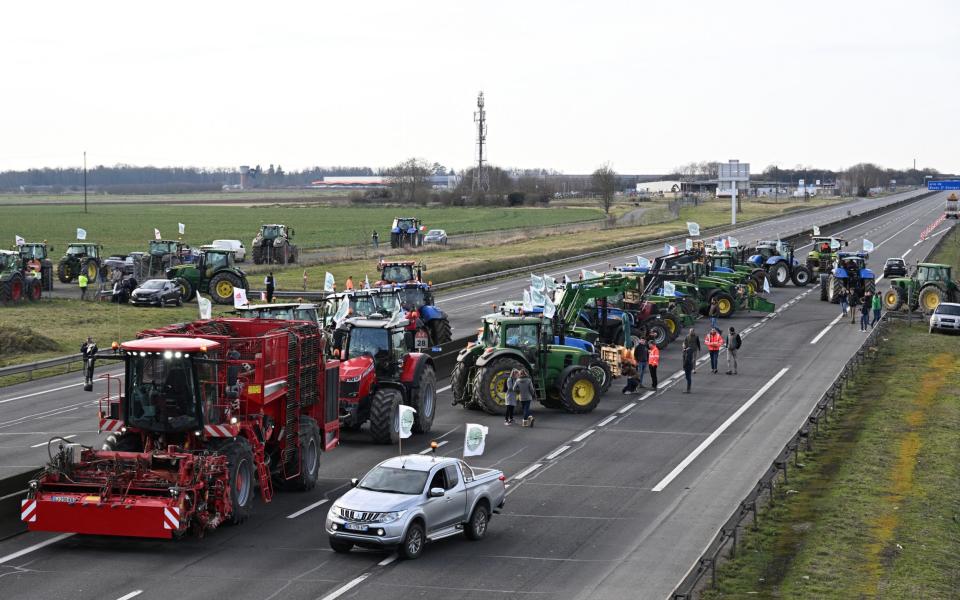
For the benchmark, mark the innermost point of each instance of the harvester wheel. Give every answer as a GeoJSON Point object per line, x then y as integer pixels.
{"type": "Point", "coordinates": [65, 272]}
{"type": "Point", "coordinates": [240, 477]}
{"type": "Point", "coordinates": [801, 276]}
{"type": "Point", "coordinates": [440, 332]}
{"type": "Point", "coordinates": [823, 288]}
{"type": "Point", "coordinates": [309, 455]}
{"type": "Point", "coordinates": [34, 290]}
{"type": "Point", "coordinates": [601, 373]}
{"type": "Point", "coordinates": [458, 383]}
{"type": "Point", "coordinates": [384, 416]}
{"type": "Point", "coordinates": [186, 288]}
{"type": "Point", "coordinates": [490, 385]}
{"type": "Point", "coordinates": [930, 298]}
{"type": "Point", "coordinates": [423, 398]}
{"type": "Point", "coordinates": [222, 286]}
{"type": "Point", "coordinates": [125, 442]}
{"type": "Point", "coordinates": [579, 392]}
{"type": "Point", "coordinates": [725, 304]}
{"type": "Point", "coordinates": [779, 274]}
{"type": "Point", "coordinates": [894, 298]}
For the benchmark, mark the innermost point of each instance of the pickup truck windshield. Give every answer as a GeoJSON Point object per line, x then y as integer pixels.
{"type": "Point", "coordinates": [394, 481]}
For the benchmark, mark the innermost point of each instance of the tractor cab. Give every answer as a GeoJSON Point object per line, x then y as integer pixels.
{"type": "Point", "coordinates": [34, 251]}
{"type": "Point", "coordinates": [933, 272]}
{"type": "Point", "coordinates": [366, 342]}
{"type": "Point", "coordinates": [164, 247]}
{"type": "Point", "coordinates": [215, 259]}
{"type": "Point", "coordinates": [405, 225]}
{"type": "Point", "coordinates": [393, 272]}
{"type": "Point", "coordinates": [274, 231]}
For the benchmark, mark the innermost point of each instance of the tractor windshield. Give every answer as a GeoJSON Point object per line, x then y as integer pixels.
{"type": "Point", "coordinates": [522, 335]}
{"type": "Point", "coordinates": [161, 248]}
{"type": "Point", "coordinates": [161, 395]}
{"type": "Point", "coordinates": [933, 273]}
{"type": "Point", "coordinates": [33, 252]}
{"type": "Point", "coordinates": [7, 261]}
{"type": "Point", "coordinates": [372, 341]}
{"type": "Point", "coordinates": [397, 273]}
{"type": "Point", "coordinates": [215, 260]}
{"type": "Point", "coordinates": [405, 224]}
{"type": "Point", "coordinates": [73, 249]}
{"type": "Point", "coordinates": [413, 298]}
{"type": "Point", "coordinates": [270, 232]}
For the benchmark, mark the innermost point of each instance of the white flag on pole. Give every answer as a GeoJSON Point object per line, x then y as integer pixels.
{"type": "Point", "coordinates": [474, 439]}
{"type": "Point", "coordinates": [549, 308]}
{"type": "Point", "coordinates": [643, 263]}
{"type": "Point", "coordinates": [688, 244]}
{"type": "Point", "coordinates": [328, 282]}
{"type": "Point", "coordinates": [766, 285]}
{"type": "Point", "coordinates": [81, 234]}
{"type": "Point", "coordinates": [718, 244]}
{"type": "Point", "coordinates": [342, 309]}
{"type": "Point", "coordinates": [537, 298]}
{"type": "Point", "coordinates": [240, 297]}
{"type": "Point", "coordinates": [527, 301]}
{"type": "Point", "coordinates": [816, 230]}
{"type": "Point", "coordinates": [181, 227]}
{"type": "Point", "coordinates": [693, 228]}
{"type": "Point", "coordinates": [867, 245]}
{"type": "Point", "coordinates": [834, 244]}
{"type": "Point", "coordinates": [536, 283]}
{"type": "Point", "coordinates": [366, 282]}
{"type": "Point", "coordinates": [734, 242]}
{"type": "Point", "coordinates": [206, 307]}
{"type": "Point", "coordinates": [406, 419]}
{"type": "Point", "coordinates": [19, 240]}
{"type": "Point", "coordinates": [669, 289]}
{"type": "Point", "coordinates": [549, 283]}
{"type": "Point", "coordinates": [590, 274]}
{"type": "Point", "coordinates": [156, 234]}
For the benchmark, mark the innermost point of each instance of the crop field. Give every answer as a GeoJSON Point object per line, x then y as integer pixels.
{"type": "Point", "coordinates": [128, 228]}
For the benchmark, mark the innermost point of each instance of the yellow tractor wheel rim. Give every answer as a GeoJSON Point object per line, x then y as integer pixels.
{"type": "Point", "coordinates": [224, 289]}
{"type": "Point", "coordinates": [92, 271]}
{"type": "Point", "coordinates": [582, 393]}
{"type": "Point", "coordinates": [890, 298]}
{"type": "Point", "coordinates": [931, 301]}
{"type": "Point", "coordinates": [671, 325]}
{"type": "Point", "coordinates": [724, 305]}
{"type": "Point", "coordinates": [751, 287]}
{"type": "Point", "coordinates": [498, 387]}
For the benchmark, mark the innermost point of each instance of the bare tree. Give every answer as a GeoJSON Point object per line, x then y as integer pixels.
{"type": "Point", "coordinates": [604, 182]}
{"type": "Point", "coordinates": [410, 179]}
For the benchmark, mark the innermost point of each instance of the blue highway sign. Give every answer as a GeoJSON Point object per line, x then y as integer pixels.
{"type": "Point", "coordinates": [940, 186]}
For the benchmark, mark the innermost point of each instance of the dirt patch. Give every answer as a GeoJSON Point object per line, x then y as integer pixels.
{"type": "Point", "coordinates": [15, 339]}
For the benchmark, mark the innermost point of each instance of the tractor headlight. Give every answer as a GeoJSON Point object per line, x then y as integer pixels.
{"type": "Point", "coordinates": [352, 379]}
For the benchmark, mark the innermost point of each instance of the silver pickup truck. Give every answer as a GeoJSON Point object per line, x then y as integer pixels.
{"type": "Point", "coordinates": [407, 501]}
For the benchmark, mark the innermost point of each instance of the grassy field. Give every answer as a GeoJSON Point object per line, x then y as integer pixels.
{"type": "Point", "coordinates": [874, 513]}
{"type": "Point", "coordinates": [252, 196]}
{"type": "Point", "coordinates": [129, 227]}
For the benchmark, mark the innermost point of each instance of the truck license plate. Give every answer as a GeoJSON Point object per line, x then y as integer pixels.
{"type": "Point", "coordinates": [67, 499]}
{"type": "Point", "coordinates": [355, 526]}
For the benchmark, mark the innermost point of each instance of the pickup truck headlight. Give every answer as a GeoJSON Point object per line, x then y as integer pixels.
{"type": "Point", "coordinates": [336, 511]}
{"type": "Point", "coordinates": [390, 517]}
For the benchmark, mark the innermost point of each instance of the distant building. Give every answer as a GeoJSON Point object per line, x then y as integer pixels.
{"type": "Point", "coordinates": [377, 181]}
{"type": "Point", "coordinates": [659, 187]}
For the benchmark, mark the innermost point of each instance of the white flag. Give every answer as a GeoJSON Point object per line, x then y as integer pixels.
{"type": "Point", "coordinates": [328, 282]}
{"type": "Point", "coordinates": [181, 227]}
{"type": "Point", "coordinates": [19, 240]}
{"type": "Point", "coordinates": [474, 439]}
{"type": "Point", "coordinates": [206, 307]}
{"type": "Point", "coordinates": [816, 230]}
{"type": "Point", "coordinates": [240, 297]}
{"type": "Point", "coordinates": [867, 245]}
{"type": "Point", "coordinates": [549, 308]}
{"type": "Point", "coordinates": [834, 244]}
{"type": "Point", "coordinates": [688, 244]}
{"type": "Point", "coordinates": [406, 419]}
{"type": "Point", "coordinates": [342, 310]}
{"type": "Point", "coordinates": [669, 289]}
{"type": "Point", "coordinates": [537, 298]}
{"type": "Point", "coordinates": [549, 283]}
{"type": "Point", "coordinates": [693, 228]}
{"type": "Point", "coordinates": [527, 302]}
{"type": "Point", "coordinates": [643, 263]}
{"type": "Point", "coordinates": [668, 249]}
{"type": "Point", "coordinates": [734, 243]}
{"type": "Point", "coordinates": [366, 282]}
{"type": "Point", "coordinates": [718, 244]}
{"type": "Point", "coordinates": [156, 234]}
{"type": "Point", "coordinates": [536, 283]}
{"type": "Point", "coordinates": [81, 234]}
{"type": "Point", "coordinates": [766, 285]}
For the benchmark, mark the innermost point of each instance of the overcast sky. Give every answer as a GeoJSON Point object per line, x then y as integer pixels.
{"type": "Point", "coordinates": [644, 85]}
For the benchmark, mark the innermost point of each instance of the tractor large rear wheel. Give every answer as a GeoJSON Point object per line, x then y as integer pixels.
{"type": "Point", "coordinates": [240, 477]}
{"type": "Point", "coordinates": [258, 255]}
{"type": "Point", "coordinates": [579, 392]}
{"type": "Point", "coordinates": [930, 298]}
{"type": "Point", "coordinates": [222, 286]}
{"type": "Point", "coordinates": [779, 274]}
{"type": "Point", "coordinates": [458, 383]}
{"type": "Point", "coordinates": [801, 276]}
{"type": "Point", "coordinates": [601, 373]}
{"type": "Point", "coordinates": [385, 416]}
{"type": "Point", "coordinates": [759, 276]}
{"type": "Point", "coordinates": [91, 268]}
{"type": "Point", "coordinates": [186, 288]}
{"type": "Point", "coordinates": [824, 285]}
{"type": "Point", "coordinates": [672, 326]}
{"type": "Point", "coordinates": [34, 289]}
{"type": "Point", "coordinates": [833, 290]}
{"type": "Point", "coordinates": [65, 272]}
{"type": "Point", "coordinates": [725, 304]}
{"type": "Point", "coordinates": [490, 385]}
{"type": "Point", "coordinates": [440, 332]}
{"type": "Point", "coordinates": [657, 332]}
{"type": "Point", "coordinates": [423, 398]}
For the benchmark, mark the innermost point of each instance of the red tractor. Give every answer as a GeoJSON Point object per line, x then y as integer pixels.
{"type": "Point", "coordinates": [379, 373]}
{"type": "Point", "coordinates": [206, 412]}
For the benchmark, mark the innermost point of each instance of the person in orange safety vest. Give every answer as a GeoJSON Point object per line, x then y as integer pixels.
{"type": "Point", "coordinates": [714, 342]}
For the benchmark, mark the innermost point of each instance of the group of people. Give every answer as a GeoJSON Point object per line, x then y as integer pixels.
{"type": "Point", "coordinates": [520, 391]}
{"type": "Point", "coordinates": [646, 356]}
{"type": "Point", "coordinates": [851, 304]}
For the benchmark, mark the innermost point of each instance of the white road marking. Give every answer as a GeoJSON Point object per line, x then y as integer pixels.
{"type": "Point", "coordinates": [439, 445]}
{"type": "Point", "coordinates": [66, 437]}
{"type": "Point", "coordinates": [719, 430]}
{"type": "Point", "coordinates": [826, 329]}
{"type": "Point", "coordinates": [626, 408]}
{"type": "Point", "coordinates": [343, 589]}
{"type": "Point", "coordinates": [466, 295]}
{"type": "Point", "coordinates": [387, 560]}
{"type": "Point", "coordinates": [606, 421]}
{"type": "Point", "coordinates": [16, 493]}
{"type": "Point", "coordinates": [904, 255]}
{"type": "Point", "coordinates": [647, 395]}
{"type": "Point", "coordinates": [557, 452]}
{"type": "Point", "coordinates": [936, 233]}
{"type": "Point", "coordinates": [28, 550]}
{"type": "Point", "coordinates": [65, 387]}
{"type": "Point", "coordinates": [309, 508]}
{"type": "Point", "coordinates": [527, 471]}
{"type": "Point", "coordinates": [132, 594]}
{"type": "Point", "coordinates": [895, 235]}
{"type": "Point", "coordinates": [443, 389]}
{"type": "Point", "coordinates": [583, 435]}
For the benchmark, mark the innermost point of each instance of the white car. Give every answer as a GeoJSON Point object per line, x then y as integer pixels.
{"type": "Point", "coordinates": [239, 252]}
{"type": "Point", "coordinates": [945, 316]}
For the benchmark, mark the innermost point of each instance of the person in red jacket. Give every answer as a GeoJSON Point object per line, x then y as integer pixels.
{"type": "Point", "coordinates": [653, 361]}
{"type": "Point", "coordinates": [714, 342]}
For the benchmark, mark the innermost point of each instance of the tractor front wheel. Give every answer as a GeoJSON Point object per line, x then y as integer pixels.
{"type": "Point", "coordinates": [186, 288]}
{"type": "Point", "coordinates": [222, 286]}
{"type": "Point", "coordinates": [657, 332]}
{"type": "Point", "coordinates": [725, 304]}
{"type": "Point", "coordinates": [894, 298]}
{"type": "Point", "coordinates": [824, 297]}
{"type": "Point", "coordinates": [34, 289]}
{"type": "Point", "coordinates": [385, 416]}
{"type": "Point", "coordinates": [491, 384]}
{"type": "Point", "coordinates": [801, 276]}
{"type": "Point", "coordinates": [601, 373]}
{"type": "Point", "coordinates": [779, 274]}
{"type": "Point", "coordinates": [424, 400]}
{"type": "Point", "coordinates": [579, 392]}
{"type": "Point", "coordinates": [65, 272]}
{"type": "Point", "coordinates": [458, 383]}
{"type": "Point", "coordinates": [440, 332]}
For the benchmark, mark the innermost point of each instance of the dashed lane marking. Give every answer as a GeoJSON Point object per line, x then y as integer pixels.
{"type": "Point", "coordinates": [307, 509]}
{"type": "Point", "coordinates": [28, 550]}
{"type": "Point", "coordinates": [527, 471]}
{"type": "Point", "coordinates": [826, 329]}
{"type": "Point", "coordinates": [583, 435]}
{"type": "Point", "coordinates": [904, 255]}
{"type": "Point", "coordinates": [626, 408]}
{"type": "Point", "coordinates": [343, 589]}
{"type": "Point", "coordinates": [132, 594]}
{"type": "Point", "coordinates": [557, 452]}
{"type": "Point", "coordinates": [606, 421]}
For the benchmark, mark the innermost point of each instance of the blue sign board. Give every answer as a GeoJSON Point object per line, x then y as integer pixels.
{"type": "Point", "coordinates": [940, 186]}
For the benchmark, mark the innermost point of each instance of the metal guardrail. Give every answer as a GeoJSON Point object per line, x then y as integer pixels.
{"type": "Point", "coordinates": [41, 364]}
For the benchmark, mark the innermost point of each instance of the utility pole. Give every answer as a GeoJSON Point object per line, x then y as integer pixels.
{"type": "Point", "coordinates": [84, 181]}
{"type": "Point", "coordinates": [481, 179]}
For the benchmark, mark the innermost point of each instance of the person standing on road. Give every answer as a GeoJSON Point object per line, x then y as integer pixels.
{"type": "Point", "coordinates": [854, 301]}
{"type": "Point", "coordinates": [653, 361]}
{"type": "Point", "coordinates": [865, 311]}
{"type": "Point", "coordinates": [733, 346]}
{"type": "Point", "coordinates": [525, 394]}
{"type": "Point", "coordinates": [714, 342]}
{"type": "Point", "coordinates": [714, 313]}
{"type": "Point", "coordinates": [842, 296]}
{"type": "Point", "coordinates": [688, 362]}
{"type": "Point", "coordinates": [876, 304]}
{"type": "Point", "coordinates": [641, 354]}
{"type": "Point", "coordinates": [82, 284]}
{"type": "Point", "coordinates": [510, 400]}
{"type": "Point", "coordinates": [693, 341]}
{"type": "Point", "coordinates": [88, 350]}
{"type": "Point", "coordinates": [269, 283]}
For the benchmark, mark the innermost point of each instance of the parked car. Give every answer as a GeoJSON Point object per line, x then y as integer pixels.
{"type": "Point", "coordinates": [157, 292]}
{"type": "Point", "coordinates": [435, 236]}
{"type": "Point", "coordinates": [945, 317]}
{"type": "Point", "coordinates": [239, 252]}
{"type": "Point", "coordinates": [407, 501]}
{"type": "Point", "coordinates": [894, 267]}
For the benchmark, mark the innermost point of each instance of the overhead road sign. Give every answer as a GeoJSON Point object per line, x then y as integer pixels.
{"type": "Point", "coordinates": [940, 186]}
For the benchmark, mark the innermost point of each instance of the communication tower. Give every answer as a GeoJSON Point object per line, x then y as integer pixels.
{"type": "Point", "coordinates": [481, 178]}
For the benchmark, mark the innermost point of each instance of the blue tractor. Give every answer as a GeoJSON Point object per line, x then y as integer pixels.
{"type": "Point", "coordinates": [849, 271]}
{"type": "Point", "coordinates": [406, 277]}
{"type": "Point", "coordinates": [406, 231]}
{"type": "Point", "coordinates": [777, 259]}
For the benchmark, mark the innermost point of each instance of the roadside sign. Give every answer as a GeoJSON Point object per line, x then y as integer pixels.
{"type": "Point", "coordinates": [939, 186]}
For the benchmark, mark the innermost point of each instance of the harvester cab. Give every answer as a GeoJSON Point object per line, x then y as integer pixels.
{"type": "Point", "coordinates": [35, 260]}
{"type": "Point", "coordinates": [273, 245]}
{"type": "Point", "coordinates": [80, 257]}
{"type": "Point", "coordinates": [205, 413]}
{"type": "Point", "coordinates": [406, 232]}
{"type": "Point", "coordinates": [931, 284]}
{"type": "Point", "coordinates": [214, 272]}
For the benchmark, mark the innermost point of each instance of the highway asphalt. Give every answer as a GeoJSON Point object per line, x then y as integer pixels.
{"type": "Point", "coordinates": [617, 503]}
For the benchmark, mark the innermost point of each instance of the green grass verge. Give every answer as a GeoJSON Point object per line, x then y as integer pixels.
{"type": "Point", "coordinates": [129, 228]}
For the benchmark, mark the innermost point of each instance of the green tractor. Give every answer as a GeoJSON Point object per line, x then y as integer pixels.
{"type": "Point", "coordinates": [16, 283]}
{"type": "Point", "coordinates": [930, 285]}
{"type": "Point", "coordinates": [824, 253]}
{"type": "Point", "coordinates": [80, 257]}
{"type": "Point", "coordinates": [161, 256]}
{"type": "Point", "coordinates": [214, 272]}
{"type": "Point", "coordinates": [561, 374]}
{"type": "Point", "coordinates": [34, 257]}
{"type": "Point", "coordinates": [273, 245]}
